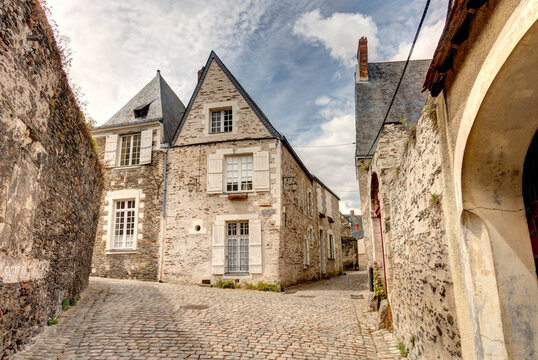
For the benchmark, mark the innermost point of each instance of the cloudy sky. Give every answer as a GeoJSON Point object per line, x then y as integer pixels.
{"type": "Point", "coordinates": [296, 58]}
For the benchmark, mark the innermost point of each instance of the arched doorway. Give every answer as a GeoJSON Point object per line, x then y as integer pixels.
{"type": "Point", "coordinates": [530, 195]}
{"type": "Point", "coordinates": [498, 125]}
{"type": "Point", "coordinates": [377, 227]}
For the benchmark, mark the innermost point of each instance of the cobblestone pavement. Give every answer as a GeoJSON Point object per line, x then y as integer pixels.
{"type": "Point", "coordinates": [141, 320]}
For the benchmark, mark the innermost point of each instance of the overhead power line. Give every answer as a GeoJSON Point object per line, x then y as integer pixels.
{"type": "Point", "coordinates": [403, 73]}
{"type": "Point", "coordinates": [323, 146]}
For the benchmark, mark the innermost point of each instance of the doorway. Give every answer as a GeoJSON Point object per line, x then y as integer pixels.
{"type": "Point", "coordinates": [530, 195]}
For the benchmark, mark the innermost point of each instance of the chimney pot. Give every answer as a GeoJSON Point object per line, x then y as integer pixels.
{"type": "Point", "coordinates": [362, 58]}
{"type": "Point", "coordinates": [200, 73]}
{"type": "Point", "coordinates": [352, 212]}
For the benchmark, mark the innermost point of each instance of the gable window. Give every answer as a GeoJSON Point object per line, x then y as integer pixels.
{"type": "Point", "coordinates": [309, 201]}
{"type": "Point", "coordinates": [239, 173]}
{"type": "Point", "coordinates": [331, 246]}
{"type": "Point", "coordinates": [221, 121]}
{"type": "Point", "coordinates": [124, 224]}
{"type": "Point", "coordinates": [237, 253]}
{"type": "Point", "coordinates": [141, 112]}
{"type": "Point", "coordinates": [130, 150]}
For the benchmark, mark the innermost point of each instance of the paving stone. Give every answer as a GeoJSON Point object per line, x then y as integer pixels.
{"type": "Point", "coordinates": [127, 319]}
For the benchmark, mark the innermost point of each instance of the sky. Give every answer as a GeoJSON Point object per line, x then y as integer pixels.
{"type": "Point", "coordinates": [296, 59]}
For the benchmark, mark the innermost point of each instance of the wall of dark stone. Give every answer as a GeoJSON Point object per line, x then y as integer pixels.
{"type": "Point", "coordinates": [50, 179]}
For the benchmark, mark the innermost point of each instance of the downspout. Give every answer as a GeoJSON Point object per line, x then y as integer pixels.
{"type": "Point", "coordinates": [166, 146]}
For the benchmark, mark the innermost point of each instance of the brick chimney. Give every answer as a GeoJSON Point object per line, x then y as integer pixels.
{"type": "Point", "coordinates": [362, 59]}
{"type": "Point", "coordinates": [200, 73]}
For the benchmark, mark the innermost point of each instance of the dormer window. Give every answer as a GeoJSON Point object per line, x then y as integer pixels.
{"type": "Point", "coordinates": [141, 112]}
{"type": "Point", "coordinates": [221, 121]}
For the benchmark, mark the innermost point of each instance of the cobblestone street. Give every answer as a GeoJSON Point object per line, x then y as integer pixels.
{"type": "Point", "coordinates": [140, 320]}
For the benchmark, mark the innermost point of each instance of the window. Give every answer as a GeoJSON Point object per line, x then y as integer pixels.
{"type": "Point", "coordinates": [141, 112]}
{"type": "Point", "coordinates": [130, 150]}
{"type": "Point", "coordinates": [239, 173]}
{"type": "Point", "coordinates": [331, 246]}
{"type": "Point", "coordinates": [124, 224]}
{"type": "Point", "coordinates": [221, 121]}
{"type": "Point", "coordinates": [311, 236]}
{"type": "Point", "coordinates": [306, 252]}
{"type": "Point", "coordinates": [309, 201]}
{"type": "Point", "coordinates": [237, 247]}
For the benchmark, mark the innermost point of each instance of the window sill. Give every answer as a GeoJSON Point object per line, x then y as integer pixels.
{"type": "Point", "coordinates": [117, 168]}
{"type": "Point", "coordinates": [234, 275]}
{"type": "Point", "coordinates": [120, 251]}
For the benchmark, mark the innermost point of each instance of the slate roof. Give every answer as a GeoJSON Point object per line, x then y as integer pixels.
{"type": "Point", "coordinates": [213, 57]}
{"type": "Point", "coordinates": [372, 99]}
{"type": "Point", "coordinates": [354, 219]}
{"type": "Point", "coordinates": [164, 105]}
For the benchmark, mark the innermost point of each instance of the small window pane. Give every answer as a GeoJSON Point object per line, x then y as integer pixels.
{"type": "Point", "coordinates": [227, 120]}
{"type": "Point", "coordinates": [215, 121]}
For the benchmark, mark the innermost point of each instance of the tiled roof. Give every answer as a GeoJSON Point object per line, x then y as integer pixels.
{"type": "Point", "coordinates": [163, 104]}
{"type": "Point", "coordinates": [372, 99]}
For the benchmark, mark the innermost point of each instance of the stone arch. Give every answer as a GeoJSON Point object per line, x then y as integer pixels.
{"type": "Point", "coordinates": [496, 130]}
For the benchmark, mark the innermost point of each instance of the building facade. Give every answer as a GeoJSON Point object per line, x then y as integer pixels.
{"type": "Point", "coordinates": [235, 200]}
{"type": "Point", "coordinates": [449, 204]}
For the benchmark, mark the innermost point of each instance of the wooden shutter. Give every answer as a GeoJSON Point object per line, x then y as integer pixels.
{"type": "Point", "coordinates": [255, 264]}
{"type": "Point", "coordinates": [146, 145]}
{"type": "Point", "coordinates": [214, 173]}
{"type": "Point", "coordinates": [111, 147]}
{"type": "Point", "coordinates": [218, 249]}
{"type": "Point", "coordinates": [261, 171]}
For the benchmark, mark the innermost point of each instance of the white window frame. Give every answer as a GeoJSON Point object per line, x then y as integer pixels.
{"type": "Point", "coordinates": [224, 125]}
{"type": "Point", "coordinates": [220, 106]}
{"type": "Point", "coordinates": [124, 225]}
{"type": "Point", "coordinates": [112, 197]}
{"type": "Point", "coordinates": [131, 148]}
{"type": "Point", "coordinates": [240, 175]}
{"type": "Point", "coordinates": [239, 227]}
{"type": "Point", "coordinates": [306, 245]}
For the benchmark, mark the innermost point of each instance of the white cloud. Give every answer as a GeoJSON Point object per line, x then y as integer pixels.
{"type": "Point", "coordinates": [425, 45]}
{"type": "Point", "coordinates": [339, 33]}
{"type": "Point", "coordinates": [334, 165]}
{"type": "Point", "coordinates": [322, 101]}
{"type": "Point", "coordinates": [118, 46]}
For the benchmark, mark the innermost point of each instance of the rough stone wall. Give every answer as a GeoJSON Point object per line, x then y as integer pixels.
{"type": "Point", "coordinates": [350, 256]}
{"type": "Point", "coordinates": [330, 223]}
{"type": "Point", "coordinates": [187, 252]}
{"type": "Point", "coordinates": [217, 88]}
{"type": "Point", "coordinates": [50, 180]}
{"type": "Point", "coordinates": [142, 263]}
{"type": "Point", "coordinates": [420, 287]}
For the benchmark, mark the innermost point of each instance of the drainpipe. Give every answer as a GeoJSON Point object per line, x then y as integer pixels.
{"type": "Point", "coordinates": [166, 146]}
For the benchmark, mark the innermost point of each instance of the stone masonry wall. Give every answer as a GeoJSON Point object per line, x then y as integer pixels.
{"type": "Point", "coordinates": [350, 256]}
{"type": "Point", "coordinates": [142, 263]}
{"type": "Point", "coordinates": [420, 288]}
{"type": "Point", "coordinates": [296, 222]}
{"type": "Point", "coordinates": [187, 251]}
{"type": "Point", "coordinates": [50, 179]}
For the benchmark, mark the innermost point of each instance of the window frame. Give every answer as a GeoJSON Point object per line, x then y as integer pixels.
{"type": "Point", "coordinates": [240, 226]}
{"type": "Point", "coordinates": [309, 203]}
{"type": "Point", "coordinates": [331, 254]}
{"type": "Point", "coordinates": [111, 198]}
{"type": "Point", "coordinates": [240, 170]}
{"type": "Point", "coordinates": [121, 139]}
{"type": "Point", "coordinates": [306, 245]}
{"type": "Point", "coordinates": [125, 223]}
{"type": "Point", "coordinates": [224, 125]}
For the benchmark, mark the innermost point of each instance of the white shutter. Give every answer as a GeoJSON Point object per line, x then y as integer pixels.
{"type": "Point", "coordinates": [328, 203]}
{"type": "Point", "coordinates": [261, 171]}
{"type": "Point", "coordinates": [218, 249]}
{"type": "Point", "coordinates": [146, 144]}
{"type": "Point", "coordinates": [111, 147]}
{"type": "Point", "coordinates": [214, 173]}
{"type": "Point", "coordinates": [255, 247]}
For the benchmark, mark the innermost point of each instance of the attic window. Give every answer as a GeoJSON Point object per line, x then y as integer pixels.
{"type": "Point", "coordinates": [141, 112]}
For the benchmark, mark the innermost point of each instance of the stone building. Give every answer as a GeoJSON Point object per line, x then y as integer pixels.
{"type": "Point", "coordinates": [50, 179]}
{"type": "Point", "coordinates": [130, 234]}
{"type": "Point", "coordinates": [237, 202]}
{"type": "Point", "coordinates": [449, 198]}
{"type": "Point", "coordinates": [353, 250]}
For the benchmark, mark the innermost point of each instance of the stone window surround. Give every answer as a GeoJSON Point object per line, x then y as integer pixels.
{"type": "Point", "coordinates": [329, 234]}
{"type": "Point", "coordinates": [206, 117]}
{"type": "Point", "coordinates": [221, 220]}
{"type": "Point", "coordinates": [235, 152]}
{"type": "Point", "coordinates": [310, 203]}
{"type": "Point", "coordinates": [111, 198]}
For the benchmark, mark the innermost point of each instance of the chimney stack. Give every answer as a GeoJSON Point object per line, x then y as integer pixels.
{"type": "Point", "coordinates": [362, 58]}
{"type": "Point", "coordinates": [352, 212]}
{"type": "Point", "coordinates": [200, 73]}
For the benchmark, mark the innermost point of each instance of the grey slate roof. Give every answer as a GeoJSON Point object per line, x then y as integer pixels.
{"type": "Point", "coordinates": [164, 105]}
{"type": "Point", "coordinates": [357, 234]}
{"type": "Point", "coordinates": [372, 99]}
{"type": "Point", "coordinates": [277, 135]}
